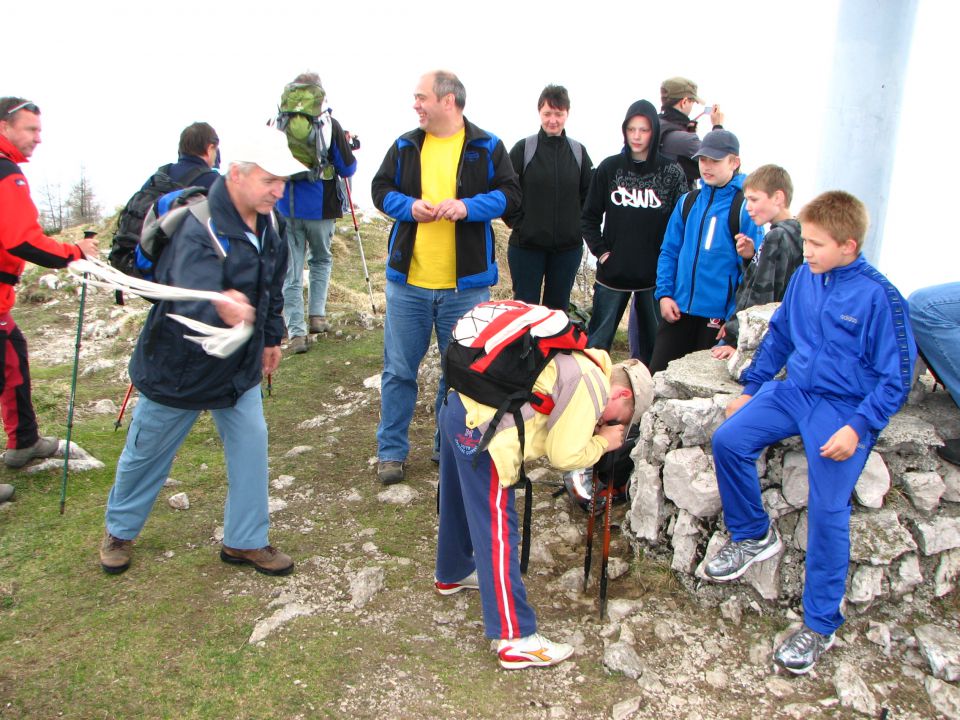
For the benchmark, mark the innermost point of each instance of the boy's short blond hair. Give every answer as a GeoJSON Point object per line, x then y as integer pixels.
{"type": "Point", "coordinates": [770, 178]}
{"type": "Point", "coordinates": [839, 213]}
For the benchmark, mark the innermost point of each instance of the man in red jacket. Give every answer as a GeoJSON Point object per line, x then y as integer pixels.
{"type": "Point", "coordinates": [21, 240]}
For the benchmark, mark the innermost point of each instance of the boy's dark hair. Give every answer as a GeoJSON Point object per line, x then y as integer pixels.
{"type": "Point", "coordinates": [839, 213]}
{"type": "Point", "coordinates": [196, 138]}
{"type": "Point", "coordinates": [555, 96]}
{"type": "Point", "coordinates": [769, 179]}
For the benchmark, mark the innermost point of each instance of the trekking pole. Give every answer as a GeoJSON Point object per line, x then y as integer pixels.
{"type": "Point", "coordinates": [590, 523]}
{"type": "Point", "coordinates": [269, 384]}
{"type": "Point", "coordinates": [605, 556]}
{"type": "Point", "coordinates": [123, 408]}
{"type": "Point", "coordinates": [73, 387]}
{"type": "Point", "coordinates": [363, 259]}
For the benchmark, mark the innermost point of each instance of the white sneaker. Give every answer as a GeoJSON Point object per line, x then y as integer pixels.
{"type": "Point", "coordinates": [532, 651]}
{"type": "Point", "coordinates": [468, 583]}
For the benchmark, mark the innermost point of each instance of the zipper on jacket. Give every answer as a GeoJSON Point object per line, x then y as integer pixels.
{"type": "Point", "coordinates": [696, 257]}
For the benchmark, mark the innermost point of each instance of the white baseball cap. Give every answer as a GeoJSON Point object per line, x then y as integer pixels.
{"type": "Point", "coordinates": [267, 147]}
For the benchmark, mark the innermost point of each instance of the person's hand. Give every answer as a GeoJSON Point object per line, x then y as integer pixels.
{"type": "Point", "coordinates": [236, 310]}
{"type": "Point", "coordinates": [716, 117]}
{"type": "Point", "coordinates": [745, 247]}
{"type": "Point", "coordinates": [737, 403]}
{"type": "Point", "coordinates": [841, 445]}
{"type": "Point", "coordinates": [271, 359]}
{"type": "Point", "coordinates": [722, 352]}
{"type": "Point", "coordinates": [423, 212]}
{"type": "Point", "coordinates": [89, 247]}
{"type": "Point", "coordinates": [603, 258]}
{"type": "Point", "coordinates": [452, 210]}
{"type": "Point", "coordinates": [613, 434]}
{"type": "Point", "coordinates": [669, 310]}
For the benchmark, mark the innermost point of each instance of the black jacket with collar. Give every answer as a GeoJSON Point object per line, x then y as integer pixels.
{"type": "Point", "coordinates": [168, 368]}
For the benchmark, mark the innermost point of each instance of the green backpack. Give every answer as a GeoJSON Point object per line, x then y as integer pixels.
{"type": "Point", "coordinates": [307, 125]}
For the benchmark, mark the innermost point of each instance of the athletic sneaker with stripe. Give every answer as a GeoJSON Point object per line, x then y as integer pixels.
{"type": "Point", "coordinates": [532, 651]}
{"type": "Point", "coordinates": [468, 583]}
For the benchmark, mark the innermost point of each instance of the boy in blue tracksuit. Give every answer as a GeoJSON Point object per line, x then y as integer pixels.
{"type": "Point", "coordinates": [844, 335]}
{"type": "Point", "coordinates": [699, 268]}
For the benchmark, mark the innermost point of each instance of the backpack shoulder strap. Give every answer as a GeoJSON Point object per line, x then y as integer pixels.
{"type": "Point", "coordinates": [577, 150]}
{"type": "Point", "coordinates": [529, 149]}
{"type": "Point", "coordinates": [201, 211]}
{"type": "Point", "coordinates": [688, 200]}
{"type": "Point", "coordinates": [733, 219]}
{"type": "Point", "coordinates": [191, 176]}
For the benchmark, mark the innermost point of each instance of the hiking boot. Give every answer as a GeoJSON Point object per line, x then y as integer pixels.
{"type": "Point", "coordinates": [532, 651]}
{"type": "Point", "coordinates": [115, 554]}
{"type": "Point", "coordinates": [950, 451]}
{"type": "Point", "coordinates": [800, 652]}
{"type": "Point", "coordinates": [319, 324]}
{"type": "Point", "coordinates": [468, 583]}
{"type": "Point", "coordinates": [6, 492]}
{"type": "Point", "coordinates": [267, 560]}
{"type": "Point", "coordinates": [298, 344]}
{"type": "Point", "coordinates": [390, 472]}
{"type": "Point", "coordinates": [42, 448]}
{"type": "Point", "coordinates": [735, 557]}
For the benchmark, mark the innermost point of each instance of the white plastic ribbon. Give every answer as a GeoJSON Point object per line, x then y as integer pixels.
{"type": "Point", "coordinates": [216, 341]}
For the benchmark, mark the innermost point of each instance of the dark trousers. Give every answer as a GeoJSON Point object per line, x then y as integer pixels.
{"type": "Point", "coordinates": [688, 334]}
{"type": "Point", "coordinates": [19, 420]}
{"type": "Point", "coordinates": [555, 271]}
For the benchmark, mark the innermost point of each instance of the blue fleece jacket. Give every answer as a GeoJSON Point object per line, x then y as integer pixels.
{"type": "Point", "coordinates": [698, 268]}
{"type": "Point", "coordinates": [843, 334]}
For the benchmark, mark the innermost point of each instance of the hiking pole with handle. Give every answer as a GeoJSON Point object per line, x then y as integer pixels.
{"type": "Point", "coordinates": [606, 461]}
{"type": "Point", "coordinates": [605, 553]}
{"type": "Point", "coordinates": [356, 230]}
{"type": "Point", "coordinates": [123, 406]}
{"type": "Point", "coordinates": [73, 386]}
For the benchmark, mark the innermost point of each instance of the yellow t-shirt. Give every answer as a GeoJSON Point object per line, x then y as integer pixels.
{"type": "Point", "coordinates": [434, 262]}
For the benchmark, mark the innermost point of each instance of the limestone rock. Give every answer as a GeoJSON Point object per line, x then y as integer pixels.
{"type": "Point", "coordinates": [180, 501]}
{"type": "Point", "coordinates": [686, 537]}
{"type": "Point", "coordinates": [365, 584]}
{"type": "Point", "coordinates": [907, 433]}
{"type": "Point", "coordinates": [625, 708]}
{"type": "Point", "coordinates": [621, 657]}
{"type": "Point", "coordinates": [938, 534]}
{"type": "Point", "coordinates": [943, 696]}
{"type": "Point", "coordinates": [692, 420]}
{"type": "Point", "coordinates": [853, 691]}
{"type": "Point", "coordinates": [795, 484]}
{"type": "Point", "coordinates": [906, 575]}
{"type": "Point", "coordinates": [775, 503]}
{"type": "Point", "coordinates": [276, 505]}
{"type": "Point", "coordinates": [282, 482]}
{"type": "Point", "coordinates": [924, 489]}
{"type": "Point", "coordinates": [941, 647]}
{"type": "Point", "coordinates": [713, 547]}
{"type": "Point", "coordinates": [690, 483]}
{"type": "Point", "coordinates": [878, 538]}
{"type": "Point", "coordinates": [730, 609]}
{"type": "Point", "coordinates": [696, 375]}
{"type": "Point", "coordinates": [104, 407]}
{"type": "Point", "coordinates": [947, 572]}
{"type": "Point", "coordinates": [879, 634]}
{"type": "Point", "coordinates": [866, 584]}
{"type": "Point", "coordinates": [298, 450]}
{"type": "Point", "coordinates": [874, 482]}
{"type": "Point", "coordinates": [764, 577]}
{"type": "Point", "coordinates": [800, 532]}
{"type": "Point", "coordinates": [399, 494]}
{"type": "Point", "coordinates": [618, 608]}
{"type": "Point", "coordinates": [617, 568]}
{"type": "Point", "coordinates": [647, 511]}
{"type": "Point", "coordinates": [79, 461]}
{"type": "Point", "coordinates": [951, 480]}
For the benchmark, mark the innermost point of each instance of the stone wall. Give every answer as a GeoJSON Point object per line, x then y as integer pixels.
{"type": "Point", "coordinates": [905, 526]}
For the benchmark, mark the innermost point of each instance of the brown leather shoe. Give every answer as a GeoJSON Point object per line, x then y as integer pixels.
{"type": "Point", "coordinates": [298, 344]}
{"type": "Point", "coordinates": [267, 560]}
{"type": "Point", "coordinates": [115, 554]}
{"type": "Point", "coordinates": [319, 324]}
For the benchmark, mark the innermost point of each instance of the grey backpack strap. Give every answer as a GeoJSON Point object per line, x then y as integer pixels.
{"type": "Point", "coordinates": [577, 150]}
{"type": "Point", "coordinates": [529, 149]}
{"type": "Point", "coordinates": [201, 211]}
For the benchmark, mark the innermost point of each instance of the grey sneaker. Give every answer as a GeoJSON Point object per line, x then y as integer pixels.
{"type": "Point", "coordinates": [298, 344]}
{"type": "Point", "coordinates": [390, 472]}
{"type": "Point", "coordinates": [6, 492]}
{"type": "Point", "coordinates": [735, 557]}
{"type": "Point", "coordinates": [800, 652]}
{"type": "Point", "coordinates": [42, 448]}
{"type": "Point", "coordinates": [319, 324]}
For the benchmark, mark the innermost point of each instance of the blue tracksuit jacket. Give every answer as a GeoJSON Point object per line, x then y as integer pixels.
{"type": "Point", "coordinates": [843, 334]}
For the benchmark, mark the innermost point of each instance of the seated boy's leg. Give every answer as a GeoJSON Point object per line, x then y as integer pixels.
{"type": "Point", "coordinates": [738, 442]}
{"type": "Point", "coordinates": [828, 516]}
{"type": "Point", "coordinates": [935, 317]}
{"type": "Point", "coordinates": [454, 548]}
{"type": "Point", "coordinates": [494, 535]}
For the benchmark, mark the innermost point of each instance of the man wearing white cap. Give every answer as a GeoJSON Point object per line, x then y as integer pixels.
{"type": "Point", "coordinates": [240, 254]}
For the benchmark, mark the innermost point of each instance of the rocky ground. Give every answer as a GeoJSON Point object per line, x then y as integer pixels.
{"type": "Point", "coordinates": [661, 651]}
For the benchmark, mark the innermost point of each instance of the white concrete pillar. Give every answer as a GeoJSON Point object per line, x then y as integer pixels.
{"type": "Point", "coordinates": [863, 106]}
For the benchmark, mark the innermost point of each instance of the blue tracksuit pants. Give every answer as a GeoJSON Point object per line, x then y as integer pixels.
{"type": "Point", "coordinates": [478, 528]}
{"type": "Point", "coordinates": [780, 410]}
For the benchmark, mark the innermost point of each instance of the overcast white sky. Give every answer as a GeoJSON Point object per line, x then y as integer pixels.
{"type": "Point", "coordinates": [118, 81]}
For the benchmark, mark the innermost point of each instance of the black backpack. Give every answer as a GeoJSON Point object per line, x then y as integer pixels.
{"type": "Point", "coordinates": [130, 223]}
{"type": "Point", "coordinates": [495, 355]}
{"type": "Point", "coordinates": [733, 218]}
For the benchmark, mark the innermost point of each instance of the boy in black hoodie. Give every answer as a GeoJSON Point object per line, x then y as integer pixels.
{"type": "Point", "coordinates": [632, 194]}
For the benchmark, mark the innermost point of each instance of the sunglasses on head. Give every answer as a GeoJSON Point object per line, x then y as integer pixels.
{"type": "Point", "coordinates": [27, 105]}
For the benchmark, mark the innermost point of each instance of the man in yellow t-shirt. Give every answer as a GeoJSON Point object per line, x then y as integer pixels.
{"type": "Point", "coordinates": [443, 184]}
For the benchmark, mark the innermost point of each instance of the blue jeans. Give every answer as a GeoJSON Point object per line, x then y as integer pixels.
{"type": "Point", "coordinates": [413, 313]}
{"type": "Point", "coordinates": [156, 433]}
{"type": "Point", "coordinates": [935, 317]}
{"type": "Point", "coordinates": [608, 307]}
{"type": "Point", "coordinates": [780, 410]}
{"type": "Point", "coordinates": [531, 268]}
{"type": "Point", "coordinates": [642, 327]}
{"type": "Point", "coordinates": [302, 235]}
